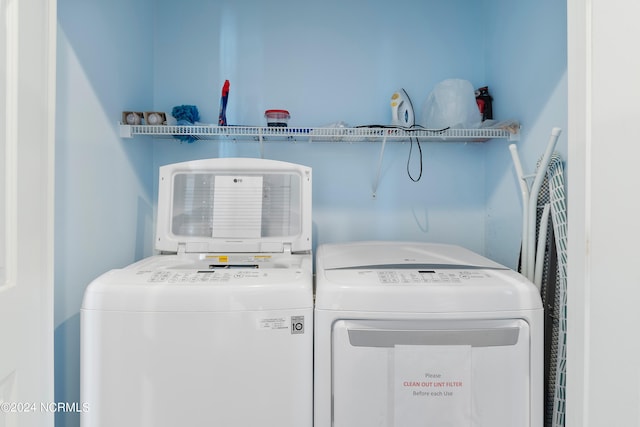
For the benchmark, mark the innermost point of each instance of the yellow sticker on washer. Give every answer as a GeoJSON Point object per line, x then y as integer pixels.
{"type": "Point", "coordinates": [220, 258]}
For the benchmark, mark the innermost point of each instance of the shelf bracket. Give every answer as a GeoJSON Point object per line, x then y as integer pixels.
{"type": "Point", "coordinates": [379, 171]}
{"type": "Point", "coordinates": [125, 131]}
{"type": "Point", "coordinates": [261, 139]}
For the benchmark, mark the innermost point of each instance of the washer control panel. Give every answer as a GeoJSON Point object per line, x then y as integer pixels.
{"type": "Point", "coordinates": [200, 276]}
{"type": "Point", "coordinates": [209, 276]}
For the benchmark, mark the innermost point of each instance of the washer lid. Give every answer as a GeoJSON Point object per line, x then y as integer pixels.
{"type": "Point", "coordinates": [234, 205]}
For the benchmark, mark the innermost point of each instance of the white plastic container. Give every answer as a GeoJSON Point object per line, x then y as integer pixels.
{"type": "Point", "coordinates": [277, 118]}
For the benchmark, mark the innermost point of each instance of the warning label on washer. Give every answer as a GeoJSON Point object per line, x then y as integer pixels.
{"type": "Point", "coordinates": [273, 323]}
{"type": "Point", "coordinates": [432, 383]}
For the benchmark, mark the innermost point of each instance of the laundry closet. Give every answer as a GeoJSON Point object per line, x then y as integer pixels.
{"type": "Point", "coordinates": [329, 63]}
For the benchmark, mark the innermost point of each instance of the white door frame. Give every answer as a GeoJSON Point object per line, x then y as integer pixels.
{"type": "Point", "coordinates": [27, 107]}
{"type": "Point", "coordinates": [578, 136]}
{"type": "Point", "coordinates": [603, 373]}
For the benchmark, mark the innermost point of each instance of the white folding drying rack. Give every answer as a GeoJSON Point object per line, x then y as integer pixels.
{"type": "Point", "coordinates": [531, 257]}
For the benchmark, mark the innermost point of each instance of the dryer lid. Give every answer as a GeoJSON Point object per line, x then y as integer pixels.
{"type": "Point", "coordinates": [399, 255]}
{"type": "Point", "coordinates": [413, 277]}
{"type": "Point", "coordinates": [234, 205]}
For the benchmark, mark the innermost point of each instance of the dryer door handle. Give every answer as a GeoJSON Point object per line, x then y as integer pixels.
{"type": "Point", "coordinates": [487, 337]}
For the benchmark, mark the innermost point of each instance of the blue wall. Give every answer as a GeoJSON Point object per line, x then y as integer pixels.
{"type": "Point", "coordinates": [332, 61]}
{"type": "Point", "coordinates": [324, 61]}
{"type": "Point", "coordinates": [104, 206]}
{"type": "Point", "coordinates": [526, 60]}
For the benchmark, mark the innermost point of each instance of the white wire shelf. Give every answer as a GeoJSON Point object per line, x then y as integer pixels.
{"type": "Point", "coordinates": [357, 134]}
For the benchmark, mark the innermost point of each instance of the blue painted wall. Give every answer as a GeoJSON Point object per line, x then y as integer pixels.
{"type": "Point", "coordinates": [526, 68]}
{"type": "Point", "coordinates": [323, 61]}
{"type": "Point", "coordinates": [104, 205]}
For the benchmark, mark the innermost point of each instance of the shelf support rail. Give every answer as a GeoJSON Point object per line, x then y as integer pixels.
{"type": "Point", "coordinates": [379, 171]}
{"type": "Point", "coordinates": [261, 139]}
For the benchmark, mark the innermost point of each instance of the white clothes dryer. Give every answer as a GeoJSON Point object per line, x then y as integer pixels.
{"type": "Point", "coordinates": [414, 334]}
{"type": "Point", "coordinates": [216, 330]}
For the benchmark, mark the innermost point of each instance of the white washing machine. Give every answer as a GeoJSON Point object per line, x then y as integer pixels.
{"type": "Point", "coordinates": [416, 334]}
{"type": "Point", "coordinates": [217, 330]}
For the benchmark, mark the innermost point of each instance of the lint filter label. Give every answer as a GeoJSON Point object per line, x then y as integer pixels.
{"type": "Point", "coordinates": [432, 383]}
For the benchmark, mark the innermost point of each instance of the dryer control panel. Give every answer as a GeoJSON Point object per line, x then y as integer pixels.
{"type": "Point", "coordinates": [427, 276]}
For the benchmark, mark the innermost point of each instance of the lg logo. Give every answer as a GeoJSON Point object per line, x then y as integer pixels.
{"type": "Point", "coordinates": [297, 324]}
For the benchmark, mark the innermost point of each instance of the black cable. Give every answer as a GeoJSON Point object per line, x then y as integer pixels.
{"type": "Point", "coordinates": [409, 160]}
{"type": "Point", "coordinates": [413, 128]}
{"type": "Point", "coordinates": [409, 129]}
